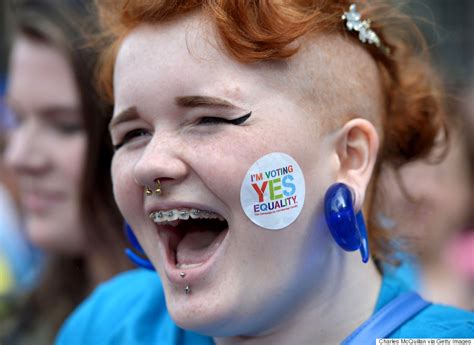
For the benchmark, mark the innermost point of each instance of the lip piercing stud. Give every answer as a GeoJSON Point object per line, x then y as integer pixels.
{"type": "Point", "coordinates": [182, 274]}
{"type": "Point", "coordinates": [148, 191]}
{"type": "Point", "coordinates": [158, 187]}
{"type": "Point", "coordinates": [187, 290]}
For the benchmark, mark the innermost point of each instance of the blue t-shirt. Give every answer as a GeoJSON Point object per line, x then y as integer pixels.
{"type": "Point", "coordinates": [130, 309]}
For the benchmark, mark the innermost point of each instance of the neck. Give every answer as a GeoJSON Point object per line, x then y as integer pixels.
{"type": "Point", "coordinates": [442, 283]}
{"type": "Point", "coordinates": [331, 312]}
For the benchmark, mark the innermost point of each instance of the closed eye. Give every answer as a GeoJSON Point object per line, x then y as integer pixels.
{"type": "Point", "coordinates": [218, 120]}
{"type": "Point", "coordinates": [136, 133]}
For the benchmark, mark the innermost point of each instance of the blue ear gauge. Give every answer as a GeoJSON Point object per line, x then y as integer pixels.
{"type": "Point", "coordinates": [136, 259]}
{"type": "Point", "coordinates": [347, 228]}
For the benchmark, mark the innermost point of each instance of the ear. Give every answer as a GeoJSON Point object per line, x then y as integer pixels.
{"type": "Point", "coordinates": [357, 147]}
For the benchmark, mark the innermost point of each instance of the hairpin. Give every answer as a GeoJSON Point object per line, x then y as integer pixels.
{"type": "Point", "coordinates": [366, 34]}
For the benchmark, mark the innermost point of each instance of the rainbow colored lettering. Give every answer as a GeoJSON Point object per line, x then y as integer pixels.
{"type": "Point", "coordinates": [275, 190]}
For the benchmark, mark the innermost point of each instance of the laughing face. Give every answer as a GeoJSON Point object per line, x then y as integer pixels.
{"type": "Point", "coordinates": [197, 120]}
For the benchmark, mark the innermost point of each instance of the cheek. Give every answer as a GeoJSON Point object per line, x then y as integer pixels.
{"type": "Point", "coordinates": [222, 164]}
{"type": "Point", "coordinates": [73, 159]}
{"type": "Point", "coordinates": [124, 187]}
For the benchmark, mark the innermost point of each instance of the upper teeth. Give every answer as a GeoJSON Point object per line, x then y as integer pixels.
{"type": "Point", "coordinates": [170, 216]}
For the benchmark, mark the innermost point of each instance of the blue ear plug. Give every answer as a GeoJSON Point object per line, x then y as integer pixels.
{"type": "Point", "coordinates": [347, 228]}
{"type": "Point", "coordinates": [136, 259]}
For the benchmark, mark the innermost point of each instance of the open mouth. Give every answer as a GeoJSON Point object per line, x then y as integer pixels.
{"type": "Point", "coordinates": [191, 236]}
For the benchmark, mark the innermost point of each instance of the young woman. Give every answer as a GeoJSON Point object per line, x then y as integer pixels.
{"type": "Point", "coordinates": [60, 153]}
{"type": "Point", "coordinates": [248, 137]}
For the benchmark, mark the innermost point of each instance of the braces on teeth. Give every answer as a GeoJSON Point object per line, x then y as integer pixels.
{"type": "Point", "coordinates": [169, 216]}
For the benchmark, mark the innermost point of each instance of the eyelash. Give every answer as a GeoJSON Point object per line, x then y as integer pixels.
{"type": "Point", "coordinates": [129, 136]}
{"type": "Point", "coordinates": [218, 120]}
{"type": "Point", "coordinates": [68, 128]}
{"type": "Point", "coordinates": [205, 121]}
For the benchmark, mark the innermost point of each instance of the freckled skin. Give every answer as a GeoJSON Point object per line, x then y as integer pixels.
{"type": "Point", "coordinates": [265, 276]}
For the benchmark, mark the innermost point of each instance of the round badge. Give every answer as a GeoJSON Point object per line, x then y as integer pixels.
{"type": "Point", "coordinates": [273, 191]}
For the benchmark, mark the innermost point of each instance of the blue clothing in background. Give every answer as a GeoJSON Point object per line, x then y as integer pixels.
{"type": "Point", "coordinates": [130, 309]}
{"type": "Point", "coordinates": [435, 321]}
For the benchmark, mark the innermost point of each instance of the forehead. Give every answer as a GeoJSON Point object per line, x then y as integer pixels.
{"type": "Point", "coordinates": [177, 58]}
{"type": "Point", "coordinates": [185, 56]}
{"type": "Point", "coordinates": [40, 73]}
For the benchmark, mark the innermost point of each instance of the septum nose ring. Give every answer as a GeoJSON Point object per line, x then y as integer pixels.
{"type": "Point", "coordinates": [149, 191]}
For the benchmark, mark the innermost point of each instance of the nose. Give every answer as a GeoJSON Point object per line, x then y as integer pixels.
{"type": "Point", "coordinates": [162, 159]}
{"type": "Point", "coordinates": [24, 153]}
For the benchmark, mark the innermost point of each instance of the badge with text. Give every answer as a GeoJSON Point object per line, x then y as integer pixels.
{"type": "Point", "coordinates": [273, 190]}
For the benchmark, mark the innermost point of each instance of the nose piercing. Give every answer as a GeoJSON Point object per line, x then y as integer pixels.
{"type": "Point", "coordinates": [148, 191]}
{"type": "Point", "coordinates": [158, 187]}
{"type": "Point", "coordinates": [157, 190]}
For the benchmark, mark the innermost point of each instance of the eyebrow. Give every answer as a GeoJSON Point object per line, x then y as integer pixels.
{"type": "Point", "coordinates": [131, 113]}
{"type": "Point", "coordinates": [50, 111]}
{"type": "Point", "coordinates": [199, 101]}
{"type": "Point", "coordinates": [59, 111]}
{"type": "Point", "coordinates": [128, 114]}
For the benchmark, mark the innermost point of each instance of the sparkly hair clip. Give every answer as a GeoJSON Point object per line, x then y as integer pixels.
{"type": "Point", "coordinates": [366, 34]}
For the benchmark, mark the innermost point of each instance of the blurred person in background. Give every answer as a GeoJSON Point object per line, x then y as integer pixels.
{"type": "Point", "coordinates": [20, 262]}
{"type": "Point", "coordinates": [59, 150]}
{"type": "Point", "coordinates": [433, 205]}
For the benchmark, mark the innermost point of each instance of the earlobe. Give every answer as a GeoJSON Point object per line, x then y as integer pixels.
{"type": "Point", "coordinates": [357, 150]}
{"type": "Point", "coordinates": [347, 227]}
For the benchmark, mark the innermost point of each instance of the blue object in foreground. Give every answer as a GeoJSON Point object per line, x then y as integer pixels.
{"type": "Point", "coordinates": [347, 228]}
{"type": "Point", "coordinates": [136, 259]}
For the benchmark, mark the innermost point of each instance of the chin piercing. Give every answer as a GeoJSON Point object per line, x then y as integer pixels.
{"type": "Point", "coordinates": [187, 290]}
{"type": "Point", "coordinates": [182, 274]}
{"type": "Point", "coordinates": [158, 187]}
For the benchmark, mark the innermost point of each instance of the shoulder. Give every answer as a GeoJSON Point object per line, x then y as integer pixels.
{"type": "Point", "coordinates": [128, 309]}
{"type": "Point", "coordinates": [435, 321]}
{"type": "Point", "coordinates": [438, 321]}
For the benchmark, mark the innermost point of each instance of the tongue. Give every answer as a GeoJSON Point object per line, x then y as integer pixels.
{"type": "Point", "coordinates": [198, 246]}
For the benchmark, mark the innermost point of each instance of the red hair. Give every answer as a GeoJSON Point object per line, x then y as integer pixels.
{"type": "Point", "coordinates": [251, 30]}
